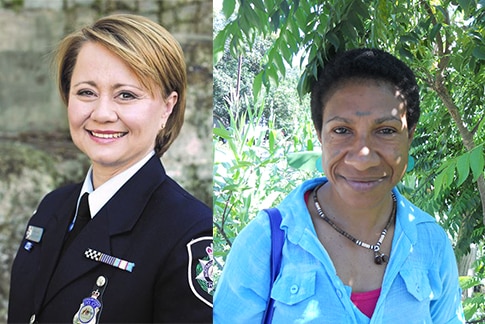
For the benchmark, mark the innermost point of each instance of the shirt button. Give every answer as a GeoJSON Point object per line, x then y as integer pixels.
{"type": "Point", "coordinates": [339, 294]}
{"type": "Point", "coordinates": [32, 319]}
{"type": "Point", "coordinates": [294, 289]}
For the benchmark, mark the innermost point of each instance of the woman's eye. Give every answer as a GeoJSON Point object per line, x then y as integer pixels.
{"type": "Point", "coordinates": [387, 131]}
{"type": "Point", "coordinates": [340, 130]}
{"type": "Point", "coordinates": [127, 96]}
{"type": "Point", "coordinates": [85, 93]}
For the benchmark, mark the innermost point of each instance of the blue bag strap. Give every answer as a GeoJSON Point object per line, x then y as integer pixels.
{"type": "Point", "coordinates": [277, 240]}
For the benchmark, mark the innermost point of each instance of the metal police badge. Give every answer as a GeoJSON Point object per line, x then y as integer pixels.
{"type": "Point", "coordinates": [200, 271]}
{"type": "Point", "coordinates": [90, 308]}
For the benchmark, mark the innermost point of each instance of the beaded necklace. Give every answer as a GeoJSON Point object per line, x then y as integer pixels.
{"type": "Point", "coordinates": [379, 257]}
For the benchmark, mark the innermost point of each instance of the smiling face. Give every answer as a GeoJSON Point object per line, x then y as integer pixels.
{"type": "Point", "coordinates": [113, 119]}
{"type": "Point", "coordinates": [365, 141]}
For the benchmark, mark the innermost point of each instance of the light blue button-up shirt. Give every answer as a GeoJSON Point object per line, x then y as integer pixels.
{"type": "Point", "coordinates": [420, 283]}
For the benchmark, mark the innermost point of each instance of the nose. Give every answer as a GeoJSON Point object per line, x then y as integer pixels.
{"type": "Point", "coordinates": [361, 155]}
{"type": "Point", "coordinates": [104, 110]}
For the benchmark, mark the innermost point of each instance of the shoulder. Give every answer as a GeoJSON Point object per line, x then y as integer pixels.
{"type": "Point", "coordinates": [57, 197]}
{"type": "Point", "coordinates": [62, 192]}
{"type": "Point", "coordinates": [253, 244]}
{"type": "Point", "coordinates": [428, 238]}
{"type": "Point", "coordinates": [178, 194]}
{"type": "Point", "coordinates": [411, 215]}
{"type": "Point", "coordinates": [242, 289]}
{"type": "Point", "coordinates": [176, 198]}
{"type": "Point", "coordinates": [171, 208]}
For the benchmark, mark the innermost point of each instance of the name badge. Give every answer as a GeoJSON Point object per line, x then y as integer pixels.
{"type": "Point", "coordinates": [34, 233]}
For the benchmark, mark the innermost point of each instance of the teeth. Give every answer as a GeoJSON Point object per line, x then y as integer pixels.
{"type": "Point", "coordinates": [113, 135]}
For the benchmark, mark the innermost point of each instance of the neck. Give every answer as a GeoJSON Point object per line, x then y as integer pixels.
{"type": "Point", "coordinates": [365, 220]}
{"type": "Point", "coordinates": [102, 175]}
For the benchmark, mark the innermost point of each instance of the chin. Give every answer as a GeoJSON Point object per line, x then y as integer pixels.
{"type": "Point", "coordinates": [106, 160]}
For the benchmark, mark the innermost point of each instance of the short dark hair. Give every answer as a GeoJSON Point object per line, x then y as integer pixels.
{"type": "Point", "coordinates": [365, 64]}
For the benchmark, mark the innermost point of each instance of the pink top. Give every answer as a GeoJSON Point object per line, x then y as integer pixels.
{"type": "Point", "coordinates": [365, 301]}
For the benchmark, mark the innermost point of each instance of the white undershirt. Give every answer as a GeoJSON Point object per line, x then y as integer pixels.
{"type": "Point", "coordinates": [99, 197]}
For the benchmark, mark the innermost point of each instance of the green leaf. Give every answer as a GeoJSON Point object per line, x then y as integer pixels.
{"type": "Point", "coordinates": [445, 177]}
{"type": "Point", "coordinates": [333, 39]}
{"type": "Point", "coordinates": [272, 140]}
{"type": "Point", "coordinates": [309, 145]}
{"type": "Point", "coordinates": [272, 75]}
{"type": "Point", "coordinates": [467, 282]}
{"type": "Point", "coordinates": [409, 38]}
{"type": "Point", "coordinates": [348, 29]}
{"type": "Point", "coordinates": [302, 86]}
{"type": "Point", "coordinates": [479, 52]}
{"type": "Point", "coordinates": [285, 7]}
{"type": "Point", "coordinates": [449, 175]}
{"type": "Point", "coordinates": [438, 183]}
{"type": "Point", "coordinates": [361, 8]}
{"type": "Point", "coordinates": [470, 310]}
{"type": "Point", "coordinates": [405, 53]}
{"type": "Point", "coordinates": [221, 132]}
{"type": "Point", "coordinates": [228, 7]}
{"type": "Point", "coordinates": [466, 5]}
{"type": "Point", "coordinates": [434, 31]}
{"type": "Point", "coordinates": [218, 46]}
{"type": "Point", "coordinates": [463, 168]}
{"type": "Point", "coordinates": [278, 62]}
{"type": "Point", "coordinates": [303, 160]}
{"type": "Point", "coordinates": [257, 84]}
{"type": "Point", "coordinates": [477, 162]}
{"type": "Point", "coordinates": [258, 4]}
{"type": "Point", "coordinates": [275, 20]}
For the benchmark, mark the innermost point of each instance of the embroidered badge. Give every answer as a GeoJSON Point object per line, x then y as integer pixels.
{"type": "Point", "coordinates": [200, 268]}
{"type": "Point", "coordinates": [90, 308]}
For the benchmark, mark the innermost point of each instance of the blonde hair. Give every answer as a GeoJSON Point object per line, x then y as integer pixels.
{"type": "Point", "coordinates": [149, 49]}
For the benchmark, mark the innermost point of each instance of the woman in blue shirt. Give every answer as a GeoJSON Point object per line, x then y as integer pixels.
{"type": "Point", "coordinates": [355, 250]}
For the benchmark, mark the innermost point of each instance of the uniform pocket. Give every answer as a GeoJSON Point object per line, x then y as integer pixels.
{"type": "Point", "coordinates": [417, 283]}
{"type": "Point", "coordinates": [293, 287]}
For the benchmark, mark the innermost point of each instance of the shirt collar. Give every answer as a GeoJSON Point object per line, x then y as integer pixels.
{"type": "Point", "coordinates": [407, 216]}
{"type": "Point", "coordinates": [99, 197]}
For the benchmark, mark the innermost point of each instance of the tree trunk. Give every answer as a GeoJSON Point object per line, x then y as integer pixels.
{"type": "Point", "coordinates": [466, 135]}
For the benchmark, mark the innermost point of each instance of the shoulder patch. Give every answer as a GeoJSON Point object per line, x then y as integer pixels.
{"type": "Point", "coordinates": [200, 271]}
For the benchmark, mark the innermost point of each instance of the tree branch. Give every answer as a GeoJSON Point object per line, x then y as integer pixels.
{"type": "Point", "coordinates": [475, 129]}
{"type": "Point", "coordinates": [439, 85]}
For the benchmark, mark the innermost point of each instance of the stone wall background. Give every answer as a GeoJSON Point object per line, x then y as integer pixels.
{"type": "Point", "coordinates": [36, 155]}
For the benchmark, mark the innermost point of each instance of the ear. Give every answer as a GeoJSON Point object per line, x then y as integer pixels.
{"type": "Point", "coordinates": [170, 102]}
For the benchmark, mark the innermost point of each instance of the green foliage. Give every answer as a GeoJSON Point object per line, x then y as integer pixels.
{"type": "Point", "coordinates": [240, 77]}
{"type": "Point", "coordinates": [251, 171]}
{"type": "Point", "coordinates": [474, 306]}
{"type": "Point", "coordinates": [471, 160]}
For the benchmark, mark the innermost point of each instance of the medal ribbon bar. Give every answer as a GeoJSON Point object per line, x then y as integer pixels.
{"type": "Point", "coordinates": [108, 259]}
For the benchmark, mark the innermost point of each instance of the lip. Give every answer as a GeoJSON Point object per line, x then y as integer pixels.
{"type": "Point", "coordinates": [104, 136]}
{"type": "Point", "coordinates": [359, 184]}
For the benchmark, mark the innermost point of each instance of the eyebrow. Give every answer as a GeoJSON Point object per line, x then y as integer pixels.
{"type": "Point", "coordinates": [386, 119]}
{"type": "Point", "coordinates": [377, 121]}
{"type": "Point", "coordinates": [115, 86]}
{"type": "Point", "coordinates": [91, 83]}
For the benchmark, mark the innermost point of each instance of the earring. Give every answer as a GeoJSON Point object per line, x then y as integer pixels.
{"type": "Point", "coordinates": [163, 126]}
